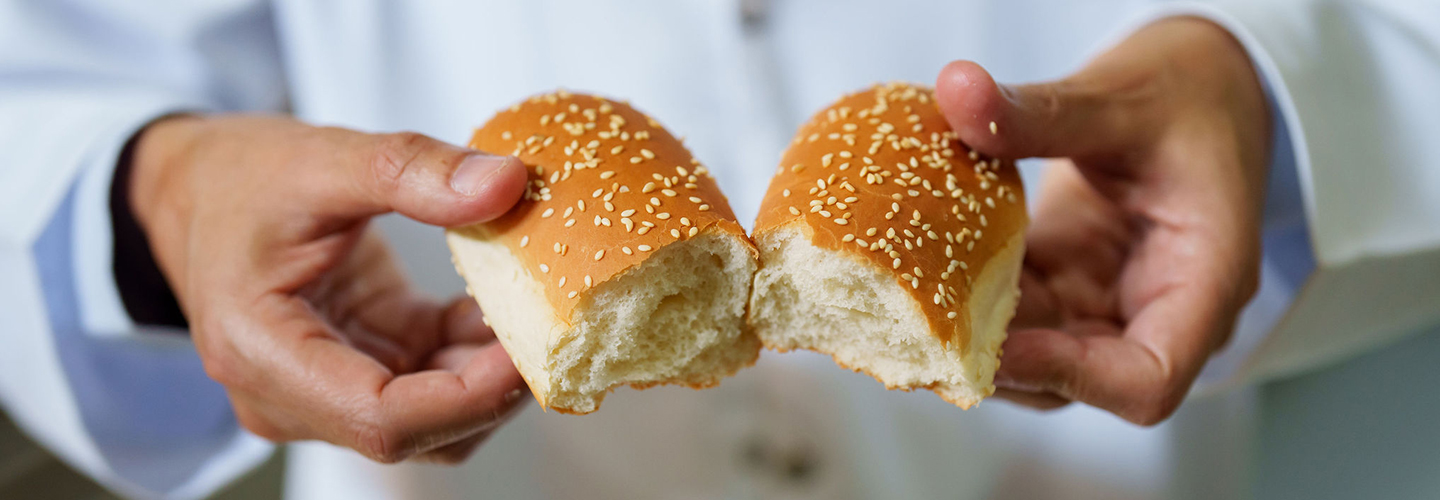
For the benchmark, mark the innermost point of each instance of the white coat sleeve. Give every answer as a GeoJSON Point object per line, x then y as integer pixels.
{"type": "Point", "coordinates": [130, 407]}
{"type": "Point", "coordinates": [1352, 85]}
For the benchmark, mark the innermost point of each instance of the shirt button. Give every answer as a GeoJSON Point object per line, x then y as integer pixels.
{"type": "Point", "coordinates": [753, 13]}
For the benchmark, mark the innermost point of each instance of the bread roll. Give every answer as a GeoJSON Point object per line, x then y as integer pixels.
{"type": "Point", "coordinates": [622, 264]}
{"type": "Point", "coordinates": [888, 245]}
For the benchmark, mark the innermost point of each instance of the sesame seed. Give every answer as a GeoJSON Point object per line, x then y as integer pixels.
{"type": "Point", "coordinates": [694, 230]}
{"type": "Point", "coordinates": [896, 264]}
{"type": "Point", "coordinates": [562, 282]}
{"type": "Point", "coordinates": [635, 159]}
{"type": "Point", "coordinates": [588, 283]}
{"type": "Point", "coordinates": [662, 215]}
{"type": "Point", "coordinates": [704, 208]}
{"type": "Point", "coordinates": [950, 315]}
{"type": "Point", "coordinates": [675, 233]}
{"type": "Point", "coordinates": [599, 255]}
{"type": "Point", "coordinates": [647, 154]}
{"type": "Point", "coordinates": [572, 294]}
{"type": "Point", "coordinates": [548, 212]}
{"type": "Point", "coordinates": [643, 248]}
{"type": "Point", "coordinates": [649, 186]}
{"type": "Point", "coordinates": [668, 192]}
{"type": "Point", "coordinates": [993, 128]}
{"type": "Point", "coordinates": [607, 174]}
{"type": "Point", "coordinates": [544, 268]}
{"type": "Point", "coordinates": [794, 211]}
{"type": "Point", "coordinates": [842, 221]}
{"type": "Point", "coordinates": [627, 251]}
{"type": "Point", "coordinates": [524, 240]}
{"type": "Point", "coordinates": [569, 222]}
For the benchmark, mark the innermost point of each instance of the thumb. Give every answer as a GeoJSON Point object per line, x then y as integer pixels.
{"type": "Point", "coordinates": [427, 180]}
{"type": "Point", "coordinates": [1090, 113]}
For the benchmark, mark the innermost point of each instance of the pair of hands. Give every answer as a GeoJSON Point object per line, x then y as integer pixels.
{"type": "Point", "coordinates": [1143, 248]}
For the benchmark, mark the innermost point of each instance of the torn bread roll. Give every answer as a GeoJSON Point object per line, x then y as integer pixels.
{"type": "Point", "coordinates": [890, 246]}
{"type": "Point", "coordinates": [621, 265]}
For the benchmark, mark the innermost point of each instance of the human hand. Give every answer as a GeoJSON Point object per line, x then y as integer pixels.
{"type": "Point", "coordinates": [1144, 244]}
{"type": "Point", "coordinates": [298, 308]}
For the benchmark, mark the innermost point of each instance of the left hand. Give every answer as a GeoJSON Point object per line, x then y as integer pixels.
{"type": "Point", "coordinates": [1144, 244]}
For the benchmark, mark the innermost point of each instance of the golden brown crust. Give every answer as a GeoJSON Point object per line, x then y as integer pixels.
{"type": "Point", "coordinates": [879, 174]}
{"type": "Point", "coordinates": [608, 186]}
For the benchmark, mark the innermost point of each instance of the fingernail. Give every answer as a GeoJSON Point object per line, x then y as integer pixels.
{"type": "Point", "coordinates": [514, 395]}
{"type": "Point", "coordinates": [474, 172]}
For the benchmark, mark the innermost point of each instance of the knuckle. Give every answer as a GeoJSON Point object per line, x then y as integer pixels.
{"type": "Point", "coordinates": [394, 154]}
{"type": "Point", "coordinates": [217, 355]}
{"type": "Point", "coordinates": [259, 425]}
{"type": "Point", "coordinates": [378, 442]}
{"type": "Point", "coordinates": [221, 370]}
{"type": "Point", "coordinates": [448, 458]}
{"type": "Point", "coordinates": [1153, 411]}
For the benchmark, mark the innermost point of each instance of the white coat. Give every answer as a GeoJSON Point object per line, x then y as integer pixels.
{"type": "Point", "coordinates": [1352, 235]}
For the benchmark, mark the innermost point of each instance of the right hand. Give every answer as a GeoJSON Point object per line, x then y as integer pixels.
{"type": "Point", "coordinates": [298, 308]}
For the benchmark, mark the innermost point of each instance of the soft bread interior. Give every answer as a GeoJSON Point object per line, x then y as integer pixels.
{"type": "Point", "coordinates": [812, 298]}
{"type": "Point", "coordinates": [677, 318]}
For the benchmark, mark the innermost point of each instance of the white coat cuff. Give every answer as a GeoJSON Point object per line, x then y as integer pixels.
{"type": "Point", "coordinates": [102, 312]}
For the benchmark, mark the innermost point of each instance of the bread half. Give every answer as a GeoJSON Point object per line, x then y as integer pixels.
{"type": "Point", "coordinates": [890, 246]}
{"type": "Point", "coordinates": [622, 265]}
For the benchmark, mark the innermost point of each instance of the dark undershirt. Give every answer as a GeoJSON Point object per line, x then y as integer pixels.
{"type": "Point", "coordinates": [147, 297]}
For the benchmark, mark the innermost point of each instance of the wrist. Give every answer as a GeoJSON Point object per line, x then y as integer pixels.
{"type": "Point", "coordinates": [144, 290]}
{"type": "Point", "coordinates": [159, 150]}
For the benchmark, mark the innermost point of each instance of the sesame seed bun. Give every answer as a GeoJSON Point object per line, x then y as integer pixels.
{"type": "Point", "coordinates": [890, 246]}
{"type": "Point", "coordinates": [622, 264]}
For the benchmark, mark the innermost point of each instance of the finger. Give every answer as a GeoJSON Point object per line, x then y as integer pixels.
{"type": "Point", "coordinates": [1038, 306]}
{"type": "Point", "coordinates": [311, 385]}
{"type": "Point", "coordinates": [465, 323]}
{"type": "Point", "coordinates": [454, 453]}
{"type": "Point", "coordinates": [425, 410]}
{"type": "Point", "coordinates": [1092, 113]}
{"type": "Point", "coordinates": [1036, 400]}
{"type": "Point", "coordinates": [459, 451]}
{"type": "Point", "coordinates": [421, 178]}
{"type": "Point", "coordinates": [1141, 376]}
